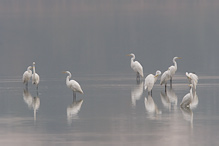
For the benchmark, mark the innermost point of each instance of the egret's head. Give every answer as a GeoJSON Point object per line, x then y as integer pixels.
{"type": "Point", "coordinates": [158, 72]}
{"type": "Point", "coordinates": [66, 72]}
{"type": "Point", "coordinates": [33, 63]}
{"type": "Point", "coordinates": [177, 58]}
{"type": "Point", "coordinates": [131, 54]}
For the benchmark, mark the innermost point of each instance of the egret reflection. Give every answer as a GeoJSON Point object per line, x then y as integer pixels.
{"type": "Point", "coordinates": [73, 109]}
{"type": "Point", "coordinates": [32, 102]}
{"type": "Point", "coordinates": [172, 97]}
{"type": "Point", "coordinates": [187, 114]}
{"type": "Point", "coordinates": [151, 107]}
{"type": "Point", "coordinates": [165, 100]}
{"type": "Point", "coordinates": [136, 93]}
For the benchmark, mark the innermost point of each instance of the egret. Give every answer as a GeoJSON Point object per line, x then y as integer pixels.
{"type": "Point", "coordinates": [188, 98]}
{"type": "Point", "coordinates": [73, 85]}
{"type": "Point", "coordinates": [173, 69]}
{"type": "Point", "coordinates": [193, 79]}
{"type": "Point", "coordinates": [27, 75]}
{"type": "Point", "coordinates": [164, 78]}
{"type": "Point", "coordinates": [150, 80]}
{"type": "Point", "coordinates": [35, 77]}
{"type": "Point", "coordinates": [136, 66]}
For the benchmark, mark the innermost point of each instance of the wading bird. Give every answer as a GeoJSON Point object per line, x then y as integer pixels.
{"type": "Point", "coordinates": [193, 79]}
{"type": "Point", "coordinates": [150, 80]}
{"type": "Point", "coordinates": [73, 85]}
{"type": "Point", "coordinates": [136, 66]}
{"type": "Point", "coordinates": [173, 69]}
{"type": "Point", "coordinates": [188, 98]}
{"type": "Point", "coordinates": [35, 77]}
{"type": "Point", "coordinates": [27, 75]}
{"type": "Point", "coordinates": [164, 78]}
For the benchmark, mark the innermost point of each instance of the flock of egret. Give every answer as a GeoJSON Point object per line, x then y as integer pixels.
{"type": "Point", "coordinates": [165, 77]}
{"type": "Point", "coordinates": [150, 80]}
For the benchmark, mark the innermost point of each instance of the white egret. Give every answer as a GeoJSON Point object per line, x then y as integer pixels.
{"type": "Point", "coordinates": [136, 66]}
{"type": "Point", "coordinates": [150, 80]}
{"type": "Point", "coordinates": [187, 99]}
{"type": "Point", "coordinates": [35, 76]}
{"type": "Point", "coordinates": [73, 85]}
{"type": "Point", "coordinates": [193, 79]}
{"type": "Point", "coordinates": [173, 69]}
{"type": "Point", "coordinates": [27, 75]}
{"type": "Point", "coordinates": [164, 78]}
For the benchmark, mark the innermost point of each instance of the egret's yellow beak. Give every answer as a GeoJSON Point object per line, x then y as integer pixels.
{"type": "Point", "coordinates": [190, 85]}
{"type": "Point", "coordinates": [156, 75]}
{"type": "Point", "coordinates": [179, 58]}
{"type": "Point", "coordinates": [64, 72]}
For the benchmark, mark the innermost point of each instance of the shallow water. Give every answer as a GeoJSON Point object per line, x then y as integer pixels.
{"type": "Point", "coordinates": [113, 111]}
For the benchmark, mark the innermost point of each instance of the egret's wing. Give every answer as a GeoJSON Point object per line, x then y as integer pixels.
{"type": "Point", "coordinates": [138, 68]}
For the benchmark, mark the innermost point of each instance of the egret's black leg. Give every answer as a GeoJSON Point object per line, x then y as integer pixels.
{"type": "Point", "coordinates": [171, 82]}
{"type": "Point", "coordinates": [165, 88]}
{"type": "Point", "coordinates": [74, 96]}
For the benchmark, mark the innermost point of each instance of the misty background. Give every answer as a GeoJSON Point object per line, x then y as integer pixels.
{"type": "Point", "coordinates": [93, 37]}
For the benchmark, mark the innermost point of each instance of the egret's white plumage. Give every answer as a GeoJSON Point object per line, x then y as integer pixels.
{"type": "Point", "coordinates": [35, 76]}
{"type": "Point", "coordinates": [136, 66]}
{"type": "Point", "coordinates": [27, 75]}
{"type": "Point", "coordinates": [173, 68]}
{"type": "Point", "coordinates": [72, 84]}
{"type": "Point", "coordinates": [150, 80]}
{"type": "Point", "coordinates": [193, 79]}
{"type": "Point", "coordinates": [164, 78]}
{"type": "Point", "coordinates": [187, 99]}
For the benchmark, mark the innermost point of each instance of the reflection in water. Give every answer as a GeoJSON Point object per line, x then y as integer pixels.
{"type": "Point", "coordinates": [73, 109]}
{"type": "Point", "coordinates": [169, 98]}
{"type": "Point", "coordinates": [136, 93]}
{"type": "Point", "coordinates": [32, 102]}
{"type": "Point", "coordinates": [165, 100]}
{"type": "Point", "coordinates": [187, 114]}
{"type": "Point", "coordinates": [151, 107]}
{"type": "Point", "coordinates": [172, 97]}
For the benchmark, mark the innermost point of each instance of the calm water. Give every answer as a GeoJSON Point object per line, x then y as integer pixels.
{"type": "Point", "coordinates": [91, 38]}
{"type": "Point", "coordinates": [113, 111]}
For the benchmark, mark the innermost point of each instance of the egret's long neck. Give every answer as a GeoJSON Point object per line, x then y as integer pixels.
{"type": "Point", "coordinates": [191, 93]}
{"type": "Point", "coordinates": [34, 71]}
{"type": "Point", "coordinates": [132, 59]}
{"type": "Point", "coordinates": [29, 70]}
{"type": "Point", "coordinates": [175, 64]}
{"type": "Point", "coordinates": [68, 78]}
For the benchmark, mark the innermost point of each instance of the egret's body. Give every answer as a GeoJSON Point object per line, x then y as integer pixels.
{"type": "Point", "coordinates": [173, 69]}
{"type": "Point", "coordinates": [136, 66]}
{"type": "Point", "coordinates": [164, 78]}
{"type": "Point", "coordinates": [27, 75]}
{"type": "Point", "coordinates": [73, 85]}
{"type": "Point", "coordinates": [150, 80]}
{"type": "Point", "coordinates": [188, 98]}
{"type": "Point", "coordinates": [193, 79]}
{"type": "Point", "coordinates": [35, 76]}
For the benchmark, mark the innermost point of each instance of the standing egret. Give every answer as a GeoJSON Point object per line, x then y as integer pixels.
{"type": "Point", "coordinates": [150, 80]}
{"type": "Point", "coordinates": [188, 98]}
{"type": "Point", "coordinates": [35, 77]}
{"type": "Point", "coordinates": [193, 79]}
{"type": "Point", "coordinates": [136, 66]}
{"type": "Point", "coordinates": [173, 69]}
{"type": "Point", "coordinates": [73, 85]}
{"type": "Point", "coordinates": [164, 78]}
{"type": "Point", "coordinates": [27, 75]}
